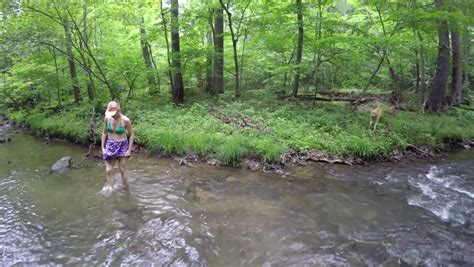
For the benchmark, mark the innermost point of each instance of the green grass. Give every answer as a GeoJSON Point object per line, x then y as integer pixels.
{"type": "Point", "coordinates": [261, 127]}
{"type": "Point", "coordinates": [232, 150]}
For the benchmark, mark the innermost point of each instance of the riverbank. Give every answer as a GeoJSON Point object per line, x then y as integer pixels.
{"type": "Point", "coordinates": [270, 132]}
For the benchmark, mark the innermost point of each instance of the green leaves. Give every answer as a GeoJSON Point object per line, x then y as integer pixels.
{"type": "Point", "coordinates": [344, 42]}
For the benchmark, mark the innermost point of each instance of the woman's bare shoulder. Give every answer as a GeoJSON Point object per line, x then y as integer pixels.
{"type": "Point", "coordinates": [125, 119]}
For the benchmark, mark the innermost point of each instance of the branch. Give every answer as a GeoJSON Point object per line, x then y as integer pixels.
{"type": "Point", "coordinates": [59, 21]}
{"type": "Point", "coordinates": [89, 52]}
{"type": "Point", "coordinates": [16, 102]}
{"type": "Point", "coordinates": [45, 14]}
{"type": "Point", "coordinates": [229, 18]}
{"type": "Point", "coordinates": [241, 18]}
{"type": "Point", "coordinates": [73, 57]}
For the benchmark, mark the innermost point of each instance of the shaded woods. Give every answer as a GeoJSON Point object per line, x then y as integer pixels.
{"type": "Point", "coordinates": [318, 66]}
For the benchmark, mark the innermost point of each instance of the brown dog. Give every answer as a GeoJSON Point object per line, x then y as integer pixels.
{"type": "Point", "coordinates": [375, 115]}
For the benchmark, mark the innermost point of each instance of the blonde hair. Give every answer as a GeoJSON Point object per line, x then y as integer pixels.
{"type": "Point", "coordinates": [113, 103]}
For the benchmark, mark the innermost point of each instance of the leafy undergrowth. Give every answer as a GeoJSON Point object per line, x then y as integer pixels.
{"type": "Point", "coordinates": [255, 128]}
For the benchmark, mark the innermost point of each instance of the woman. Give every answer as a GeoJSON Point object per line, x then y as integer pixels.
{"type": "Point", "coordinates": [115, 145]}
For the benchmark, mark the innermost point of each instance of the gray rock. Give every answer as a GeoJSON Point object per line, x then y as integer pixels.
{"type": "Point", "coordinates": [63, 164]}
{"type": "Point", "coordinates": [213, 162]}
{"type": "Point", "coordinates": [4, 138]}
{"type": "Point", "coordinates": [251, 165]}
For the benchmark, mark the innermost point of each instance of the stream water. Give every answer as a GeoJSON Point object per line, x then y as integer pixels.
{"type": "Point", "coordinates": [382, 214]}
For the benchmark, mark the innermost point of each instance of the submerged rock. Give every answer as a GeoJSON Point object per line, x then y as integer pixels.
{"type": "Point", "coordinates": [251, 165]}
{"type": "Point", "coordinates": [213, 162]}
{"type": "Point", "coordinates": [5, 138]}
{"type": "Point", "coordinates": [63, 164]}
{"type": "Point", "coordinates": [6, 124]}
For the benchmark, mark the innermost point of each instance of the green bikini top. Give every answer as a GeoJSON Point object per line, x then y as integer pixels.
{"type": "Point", "coordinates": [119, 130]}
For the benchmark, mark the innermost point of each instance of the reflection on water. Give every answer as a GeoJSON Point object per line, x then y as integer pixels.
{"type": "Point", "coordinates": [203, 216]}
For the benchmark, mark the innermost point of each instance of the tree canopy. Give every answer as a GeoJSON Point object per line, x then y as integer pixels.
{"type": "Point", "coordinates": [72, 51]}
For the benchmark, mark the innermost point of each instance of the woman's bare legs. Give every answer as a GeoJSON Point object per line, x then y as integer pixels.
{"type": "Point", "coordinates": [122, 166]}
{"type": "Point", "coordinates": [109, 171]}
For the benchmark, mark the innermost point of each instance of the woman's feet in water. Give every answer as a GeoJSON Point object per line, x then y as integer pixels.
{"type": "Point", "coordinates": [125, 186]}
{"type": "Point", "coordinates": [107, 190]}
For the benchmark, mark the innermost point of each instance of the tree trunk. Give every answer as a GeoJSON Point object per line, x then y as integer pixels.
{"type": "Point", "coordinates": [236, 64]}
{"type": "Point", "coordinates": [72, 66]}
{"type": "Point", "coordinates": [313, 80]}
{"type": "Point", "coordinates": [178, 87]}
{"type": "Point", "coordinates": [374, 73]}
{"type": "Point", "coordinates": [208, 87]}
{"type": "Point", "coordinates": [218, 73]}
{"type": "Point", "coordinates": [286, 72]}
{"type": "Point", "coordinates": [242, 55]}
{"type": "Point", "coordinates": [417, 64]}
{"type": "Point", "coordinates": [235, 34]}
{"type": "Point", "coordinates": [299, 50]}
{"type": "Point", "coordinates": [435, 101]}
{"type": "Point", "coordinates": [158, 80]}
{"type": "Point", "coordinates": [456, 84]}
{"type": "Point", "coordinates": [466, 47]}
{"type": "Point", "coordinates": [393, 75]}
{"type": "Point", "coordinates": [53, 53]}
{"type": "Point", "coordinates": [146, 53]}
{"type": "Point", "coordinates": [165, 30]}
{"type": "Point", "coordinates": [90, 82]}
{"type": "Point", "coordinates": [5, 61]}
{"type": "Point", "coordinates": [422, 67]}
{"type": "Point", "coordinates": [234, 37]}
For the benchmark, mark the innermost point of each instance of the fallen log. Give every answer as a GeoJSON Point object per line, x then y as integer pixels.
{"type": "Point", "coordinates": [420, 151]}
{"type": "Point", "coordinates": [336, 98]}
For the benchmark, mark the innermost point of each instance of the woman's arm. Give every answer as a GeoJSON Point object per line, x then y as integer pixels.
{"type": "Point", "coordinates": [131, 139]}
{"type": "Point", "coordinates": [104, 135]}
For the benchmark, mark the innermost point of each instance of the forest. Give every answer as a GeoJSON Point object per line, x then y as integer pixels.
{"type": "Point", "coordinates": [274, 81]}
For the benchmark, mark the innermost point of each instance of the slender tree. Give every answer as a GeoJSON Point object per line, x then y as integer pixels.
{"type": "Point", "coordinates": [299, 50]}
{"type": "Point", "coordinates": [56, 68]}
{"type": "Point", "coordinates": [165, 32]}
{"type": "Point", "coordinates": [235, 34]}
{"type": "Point", "coordinates": [146, 53]}
{"type": "Point", "coordinates": [456, 83]}
{"type": "Point", "coordinates": [87, 63]}
{"type": "Point", "coordinates": [242, 55]}
{"type": "Point", "coordinates": [4, 68]}
{"type": "Point", "coordinates": [218, 58]}
{"type": "Point", "coordinates": [466, 46]}
{"type": "Point", "coordinates": [72, 66]}
{"type": "Point", "coordinates": [209, 66]}
{"type": "Point", "coordinates": [178, 87]}
{"type": "Point", "coordinates": [468, 10]}
{"type": "Point", "coordinates": [422, 67]}
{"type": "Point", "coordinates": [317, 55]}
